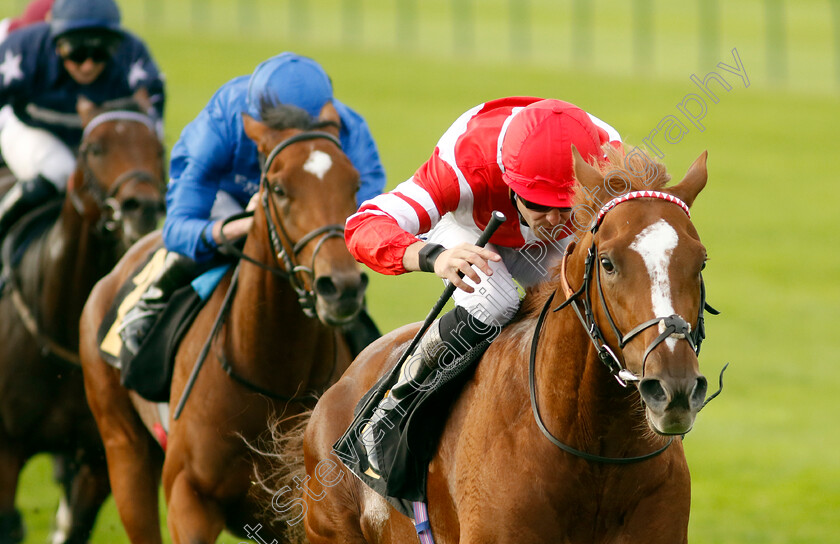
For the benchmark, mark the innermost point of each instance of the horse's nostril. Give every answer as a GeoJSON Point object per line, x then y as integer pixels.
{"type": "Point", "coordinates": [652, 391]}
{"type": "Point", "coordinates": [325, 287]}
{"type": "Point", "coordinates": [700, 388]}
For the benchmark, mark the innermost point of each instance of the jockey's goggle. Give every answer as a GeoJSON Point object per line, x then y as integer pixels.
{"type": "Point", "coordinates": [79, 48]}
{"type": "Point", "coordinates": [534, 207]}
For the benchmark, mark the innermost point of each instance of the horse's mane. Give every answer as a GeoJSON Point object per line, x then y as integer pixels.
{"type": "Point", "coordinates": [284, 116]}
{"type": "Point", "coordinates": [624, 170]}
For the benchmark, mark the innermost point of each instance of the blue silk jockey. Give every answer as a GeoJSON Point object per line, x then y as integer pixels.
{"type": "Point", "coordinates": [215, 171]}
{"type": "Point", "coordinates": [44, 69]}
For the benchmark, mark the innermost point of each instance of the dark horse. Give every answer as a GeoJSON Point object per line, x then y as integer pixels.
{"type": "Point", "coordinates": [113, 198]}
{"type": "Point", "coordinates": [549, 448]}
{"type": "Point", "coordinates": [278, 341]}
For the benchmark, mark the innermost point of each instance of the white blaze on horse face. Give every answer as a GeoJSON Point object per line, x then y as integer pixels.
{"type": "Point", "coordinates": [655, 244]}
{"type": "Point", "coordinates": [318, 164]}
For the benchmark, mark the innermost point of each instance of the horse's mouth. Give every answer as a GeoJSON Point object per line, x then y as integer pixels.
{"type": "Point", "coordinates": [338, 313]}
{"type": "Point", "coordinates": [669, 424]}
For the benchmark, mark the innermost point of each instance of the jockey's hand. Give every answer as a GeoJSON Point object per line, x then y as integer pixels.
{"type": "Point", "coordinates": [232, 230]}
{"type": "Point", "coordinates": [462, 258]}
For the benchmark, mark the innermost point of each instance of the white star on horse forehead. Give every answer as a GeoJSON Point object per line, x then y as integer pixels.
{"type": "Point", "coordinates": [10, 69]}
{"type": "Point", "coordinates": [318, 164]}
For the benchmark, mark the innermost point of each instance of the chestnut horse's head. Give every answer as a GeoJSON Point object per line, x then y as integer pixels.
{"type": "Point", "coordinates": [646, 286]}
{"type": "Point", "coordinates": [307, 192]}
{"type": "Point", "coordinates": [119, 178]}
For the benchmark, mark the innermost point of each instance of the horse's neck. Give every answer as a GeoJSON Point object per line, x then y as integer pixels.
{"type": "Point", "coordinates": [578, 397]}
{"type": "Point", "coordinates": [70, 259]}
{"type": "Point", "coordinates": [271, 335]}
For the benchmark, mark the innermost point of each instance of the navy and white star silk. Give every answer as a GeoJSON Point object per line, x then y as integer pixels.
{"type": "Point", "coordinates": [10, 68]}
{"type": "Point", "coordinates": [43, 95]}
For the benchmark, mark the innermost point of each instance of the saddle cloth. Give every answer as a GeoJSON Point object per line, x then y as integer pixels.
{"type": "Point", "coordinates": [407, 438]}
{"type": "Point", "coordinates": [149, 372]}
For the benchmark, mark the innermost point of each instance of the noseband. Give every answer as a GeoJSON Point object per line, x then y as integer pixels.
{"type": "Point", "coordinates": [112, 216]}
{"type": "Point", "coordinates": [297, 275]}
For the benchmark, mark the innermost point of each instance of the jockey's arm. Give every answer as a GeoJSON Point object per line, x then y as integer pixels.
{"type": "Point", "coordinates": [450, 262]}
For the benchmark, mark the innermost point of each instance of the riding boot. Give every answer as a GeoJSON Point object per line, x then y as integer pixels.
{"type": "Point", "coordinates": [448, 338]}
{"type": "Point", "coordinates": [24, 196]}
{"type": "Point", "coordinates": [416, 368]}
{"type": "Point", "coordinates": [177, 271]}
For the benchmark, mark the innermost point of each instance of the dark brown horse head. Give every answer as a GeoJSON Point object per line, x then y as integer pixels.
{"type": "Point", "coordinates": [308, 191]}
{"type": "Point", "coordinates": [119, 177]}
{"type": "Point", "coordinates": [647, 263]}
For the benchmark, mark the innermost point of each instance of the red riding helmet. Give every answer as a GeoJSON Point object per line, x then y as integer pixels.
{"type": "Point", "coordinates": [537, 151]}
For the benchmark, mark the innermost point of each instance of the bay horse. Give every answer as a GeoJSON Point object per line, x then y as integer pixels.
{"type": "Point", "coordinates": [278, 343]}
{"type": "Point", "coordinates": [113, 198]}
{"type": "Point", "coordinates": [543, 445]}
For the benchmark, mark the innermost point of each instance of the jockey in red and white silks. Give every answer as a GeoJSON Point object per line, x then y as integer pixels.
{"type": "Point", "coordinates": [512, 155]}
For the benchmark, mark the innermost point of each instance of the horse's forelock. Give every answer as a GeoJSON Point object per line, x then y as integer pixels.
{"type": "Point", "coordinates": [624, 170]}
{"type": "Point", "coordinates": [285, 116]}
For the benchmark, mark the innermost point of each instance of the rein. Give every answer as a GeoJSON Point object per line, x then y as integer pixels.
{"type": "Point", "coordinates": [286, 265]}
{"type": "Point", "coordinates": [111, 219]}
{"type": "Point", "coordinates": [108, 224]}
{"type": "Point", "coordinates": [673, 326]}
{"type": "Point", "coordinates": [290, 271]}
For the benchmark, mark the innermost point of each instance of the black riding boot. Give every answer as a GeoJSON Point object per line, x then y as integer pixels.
{"type": "Point", "coordinates": [177, 271]}
{"type": "Point", "coordinates": [446, 340]}
{"type": "Point", "coordinates": [24, 196]}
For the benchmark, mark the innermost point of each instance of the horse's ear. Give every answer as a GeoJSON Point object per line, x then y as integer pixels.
{"type": "Point", "coordinates": [693, 182]}
{"type": "Point", "coordinates": [141, 96]}
{"type": "Point", "coordinates": [86, 109]}
{"type": "Point", "coordinates": [587, 175]}
{"type": "Point", "coordinates": [330, 115]}
{"type": "Point", "coordinates": [254, 129]}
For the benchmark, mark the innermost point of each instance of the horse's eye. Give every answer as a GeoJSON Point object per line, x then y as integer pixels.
{"type": "Point", "coordinates": [607, 264]}
{"type": "Point", "coordinates": [278, 190]}
{"type": "Point", "coordinates": [96, 150]}
{"type": "Point", "coordinates": [703, 266]}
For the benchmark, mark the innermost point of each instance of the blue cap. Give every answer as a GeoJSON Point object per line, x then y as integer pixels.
{"type": "Point", "coordinates": [70, 15]}
{"type": "Point", "coordinates": [289, 79]}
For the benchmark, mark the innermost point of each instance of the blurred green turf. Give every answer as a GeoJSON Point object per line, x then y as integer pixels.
{"type": "Point", "coordinates": [764, 460]}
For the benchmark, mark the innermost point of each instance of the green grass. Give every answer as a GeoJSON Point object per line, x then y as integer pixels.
{"type": "Point", "coordinates": [763, 456]}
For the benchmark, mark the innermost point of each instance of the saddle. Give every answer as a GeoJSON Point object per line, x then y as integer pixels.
{"type": "Point", "coordinates": [149, 372]}
{"type": "Point", "coordinates": [407, 438]}
{"type": "Point", "coordinates": [25, 230]}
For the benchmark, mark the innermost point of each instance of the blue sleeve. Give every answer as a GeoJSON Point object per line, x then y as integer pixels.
{"type": "Point", "coordinates": [202, 156]}
{"type": "Point", "coordinates": [361, 150]}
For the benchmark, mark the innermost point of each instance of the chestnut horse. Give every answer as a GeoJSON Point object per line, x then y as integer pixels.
{"type": "Point", "coordinates": [279, 339]}
{"type": "Point", "coordinates": [550, 448]}
{"type": "Point", "coordinates": [113, 198]}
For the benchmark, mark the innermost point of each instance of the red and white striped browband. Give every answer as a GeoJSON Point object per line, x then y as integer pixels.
{"type": "Point", "coordinates": [639, 194]}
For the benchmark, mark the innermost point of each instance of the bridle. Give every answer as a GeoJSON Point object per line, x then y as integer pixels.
{"type": "Point", "coordinates": [285, 266]}
{"type": "Point", "coordinates": [111, 218]}
{"type": "Point", "coordinates": [109, 222]}
{"type": "Point", "coordinates": [284, 249]}
{"type": "Point", "coordinates": [673, 326]}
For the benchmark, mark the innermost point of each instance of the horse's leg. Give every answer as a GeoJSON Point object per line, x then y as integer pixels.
{"type": "Point", "coordinates": [133, 457]}
{"type": "Point", "coordinates": [11, 463]}
{"type": "Point", "coordinates": [192, 518]}
{"type": "Point", "coordinates": [85, 489]}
